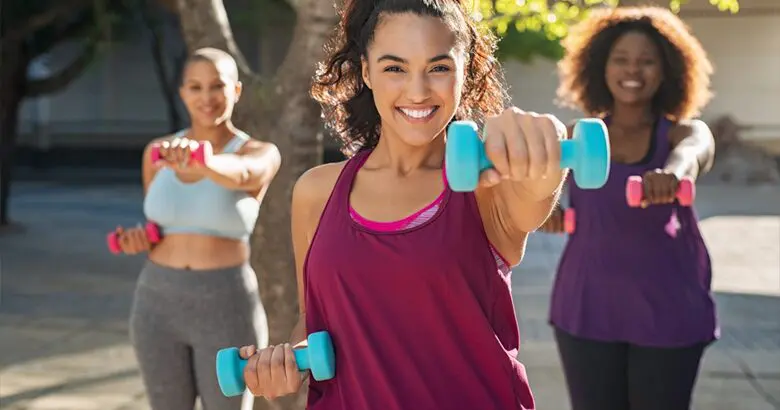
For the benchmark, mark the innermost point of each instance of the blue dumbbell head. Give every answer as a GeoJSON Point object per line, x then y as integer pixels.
{"type": "Point", "coordinates": [587, 153]}
{"type": "Point", "coordinates": [464, 156]}
{"type": "Point", "coordinates": [320, 356]}
{"type": "Point", "coordinates": [230, 372]}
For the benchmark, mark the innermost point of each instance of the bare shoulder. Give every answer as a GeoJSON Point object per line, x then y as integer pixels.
{"type": "Point", "coordinates": [689, 128]}
{"type": "Point", "coordinates": [313, 188]}
{"type": "Point", "coordinates": [257, 146]}
{"type": "Point", "coordinates": [310, 195]}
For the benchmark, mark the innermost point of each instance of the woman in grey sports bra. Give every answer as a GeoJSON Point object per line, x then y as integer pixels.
{"type": "Point", "coordinates": [197, 292]}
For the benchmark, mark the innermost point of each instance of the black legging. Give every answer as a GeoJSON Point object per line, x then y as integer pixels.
{"type": "Point", "coordinates": [621, 376]}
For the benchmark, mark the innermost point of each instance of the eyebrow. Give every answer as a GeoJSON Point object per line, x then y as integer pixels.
{"type": "Point", "coordinates": [390, 57]}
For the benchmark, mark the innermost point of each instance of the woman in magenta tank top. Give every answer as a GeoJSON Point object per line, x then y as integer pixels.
{"type": "Point", "coordinates": [631, 303]}
{"type": "Point", "coordinates": [411, 279]}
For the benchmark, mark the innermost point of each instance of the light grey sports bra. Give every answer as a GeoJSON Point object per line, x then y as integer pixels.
{"type": "Point", "coordinates": [204, 206]}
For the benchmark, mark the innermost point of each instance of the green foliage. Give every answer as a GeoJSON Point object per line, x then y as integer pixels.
{"type": "Point", "coordinates": [534, 28]}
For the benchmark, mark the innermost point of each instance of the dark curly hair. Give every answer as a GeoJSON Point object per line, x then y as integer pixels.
{"type": "Point", "coordinates": [686, 68]}
{"type": "Point", "coordinates": [348, 104]}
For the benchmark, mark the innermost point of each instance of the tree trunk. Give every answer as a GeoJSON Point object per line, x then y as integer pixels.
{"type": "Point", "coordinates": [290, 119]}
{"type": "Point", "coordinates": [168, 85]}
{"type": "Point", "coordinates": [13, 76]}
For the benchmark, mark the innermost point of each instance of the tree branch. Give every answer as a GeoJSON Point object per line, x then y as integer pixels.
{"type": "Point", "coordinates": [58, 81]}
{"type": "Point", "coordinates": [42, 20]}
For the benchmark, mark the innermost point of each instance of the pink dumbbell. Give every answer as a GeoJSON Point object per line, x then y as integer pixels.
{"type": "Point", "coordinates": [200, 154]}
{"type": "Point", "coordinates": [569, 220]}
{"type": "Point", "coordinates": [686, 191]}
{"type": "Point", "coordinates": [152, 233]}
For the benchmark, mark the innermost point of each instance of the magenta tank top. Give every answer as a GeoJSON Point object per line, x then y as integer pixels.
{"type": "Point", "coordinates": [421, 317]}
{"type": "Point", "coordinates": [634, 275]}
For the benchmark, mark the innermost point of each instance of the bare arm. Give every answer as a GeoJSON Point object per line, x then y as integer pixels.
{"type": "Point", "coordinates": [299, 215]}
{"type": "Point", "coordinates": [250, 169]}
{"type": "Point", "coordinates": [693, 149]}
{"type": "Point", "coordinates": [309, 197]}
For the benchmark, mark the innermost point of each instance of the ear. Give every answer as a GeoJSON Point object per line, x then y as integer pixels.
{"type": "Point", "coordinates": [239, 88]}
{"type": "Point", "coordinates": [364, 67]}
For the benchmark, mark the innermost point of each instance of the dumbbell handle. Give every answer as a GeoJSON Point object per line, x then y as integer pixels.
{"type": "Point", "coordinates": [301, 360]}
{"type": "Point", "coordinates": [567, 156]}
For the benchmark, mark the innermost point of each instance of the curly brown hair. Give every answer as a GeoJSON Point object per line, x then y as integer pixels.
{"type": "Point", "coordinates": [686, 68]}
{"type": "Point", "coordinates": [348, 104]}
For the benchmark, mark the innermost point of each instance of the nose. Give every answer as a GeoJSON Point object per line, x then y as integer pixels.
{"type": "Point", "coordinates": [418, 89]}
{"type": "Point", "coordinates": [633, 67]}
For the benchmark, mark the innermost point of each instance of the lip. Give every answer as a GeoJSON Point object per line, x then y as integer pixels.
{"type": "Point", "coordinates": [208, 110]}
{"type": "Point", "coordinates": [417, 114]}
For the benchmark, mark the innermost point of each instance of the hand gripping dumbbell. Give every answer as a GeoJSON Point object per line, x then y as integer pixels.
{"type": "Point", "coordinates": [686, 191]}
{"type": "Point", "coordinates": [317, 357]}
{"type": "Point", "coordinates": [586, 153]}
{"type": "Point", "coordinates": [200, 154]}
{"type": "Point", "coordinates": [152, 233]}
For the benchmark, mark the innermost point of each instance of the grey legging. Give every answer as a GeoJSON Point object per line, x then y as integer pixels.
{"type": "Point", "coordinates": [180, 319]}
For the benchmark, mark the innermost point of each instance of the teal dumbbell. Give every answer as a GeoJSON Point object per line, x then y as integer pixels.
{"type": "Point", "coordinates": [586, 153]}
{"type": "Point", "coordinates": [317, 357]}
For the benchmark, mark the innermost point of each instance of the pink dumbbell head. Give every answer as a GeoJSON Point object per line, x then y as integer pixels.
{"type": "Point", "coordinates": [152, 233]}
{"type": "Point", "coordinates": [113, 243]}
{"type": "Point", "coordinates": [200, 154]}
{"type": "Point", "coordinates": [686, 191]}
{"type": "Point", "coordinates": [569, 220]}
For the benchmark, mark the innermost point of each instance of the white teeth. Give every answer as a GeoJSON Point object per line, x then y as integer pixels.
{"type": "Point", "coordinates": [631, 84]}
{"type": "Point", "coordinates": [417, 113]}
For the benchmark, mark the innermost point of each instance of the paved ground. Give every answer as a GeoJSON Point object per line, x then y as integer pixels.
{"type": "Point", "coordinates": [64, 302]}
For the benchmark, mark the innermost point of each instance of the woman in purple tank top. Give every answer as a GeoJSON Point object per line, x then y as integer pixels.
{"type": "Point", "coordinates": [411, 279]}
{"type": "Point", "coordinates": [631, 304]}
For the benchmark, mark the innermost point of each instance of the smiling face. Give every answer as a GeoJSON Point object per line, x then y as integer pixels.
{"type": "Point", "coordinates": [209, 92]}
{"type": "Point", "coordinates": [634, 69]}
{"type": "Point", "coordinates": [415, 68]}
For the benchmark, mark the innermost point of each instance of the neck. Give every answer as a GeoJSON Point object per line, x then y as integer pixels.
{"type": "Point", "coordinates": [632, 116]}
{"type": "Point", "coordinates": [391, 152]}
{"type": "Point", "coordinates": [217, 135]}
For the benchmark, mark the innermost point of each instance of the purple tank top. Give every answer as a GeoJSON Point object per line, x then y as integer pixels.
{"type": "Point", "coordinates": [634, 275]}
{"type": "Point", "coordinates": [421, 317]}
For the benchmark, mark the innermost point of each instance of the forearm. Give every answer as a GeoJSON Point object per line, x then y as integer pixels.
{"type": "Point", "coordinates": [689, 160]}
{"type": "Point", "coordinates": [228, 170]}
{"type": "Point", "coordinates": [528, 204]}
{"type": "Point", "coordinates": [240, 172]}
{"type": "Point", "coordinates": [693, 150]}
{"type": "Point", "coordinates": [298, 334]}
